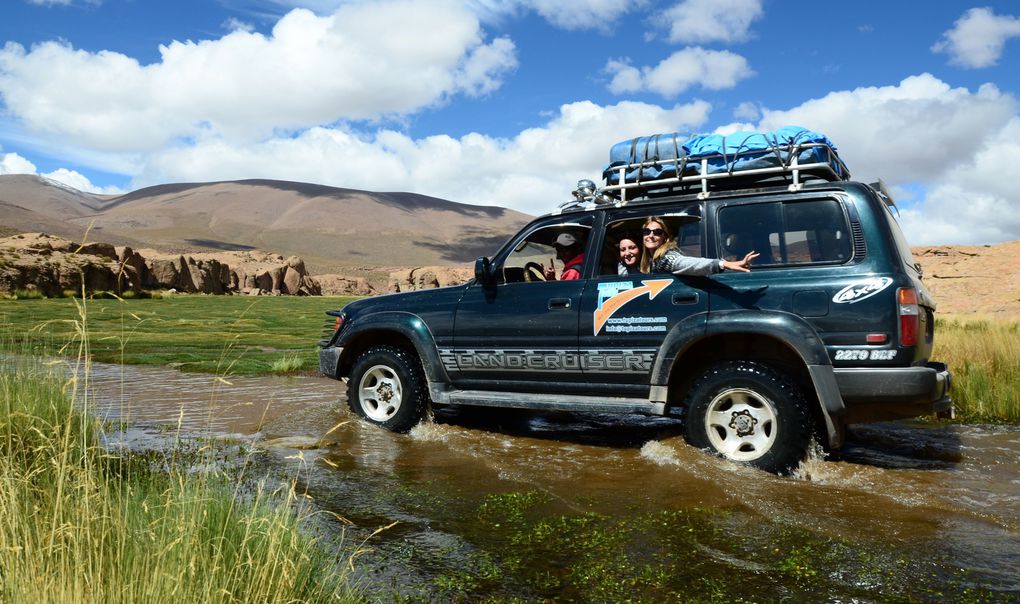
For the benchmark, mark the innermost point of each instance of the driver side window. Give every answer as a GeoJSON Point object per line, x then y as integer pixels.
{"type": "Point", "coordinates": [559, 247]}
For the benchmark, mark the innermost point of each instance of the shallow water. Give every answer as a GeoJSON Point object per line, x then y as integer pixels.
{"type": "Point", "coordinates": [505, 504]}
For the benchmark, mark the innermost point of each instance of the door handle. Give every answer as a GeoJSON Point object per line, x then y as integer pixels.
{"type": "Point", "coordinates": [685, 298]}
{"type": "Point", "coordinates": [559, 303]}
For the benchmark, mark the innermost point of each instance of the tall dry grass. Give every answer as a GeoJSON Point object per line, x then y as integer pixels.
{"type": "Point", "coordinates": [984, 358]}
{"type": "Point", "coordinates": [79, 523]}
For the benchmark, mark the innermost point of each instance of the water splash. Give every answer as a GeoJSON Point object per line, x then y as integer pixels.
{"type": "Point", "coordinates": [661, 454]}
{"type": "Point", "coordinates": [431, 432]}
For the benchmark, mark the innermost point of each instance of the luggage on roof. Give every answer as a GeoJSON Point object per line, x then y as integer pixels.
{"type": "Point", "coordinates": [650, 157]}
{"type": "Point", "coordinates": [742, 151]}
{"type": "Point", "coordinates": [660, 162]}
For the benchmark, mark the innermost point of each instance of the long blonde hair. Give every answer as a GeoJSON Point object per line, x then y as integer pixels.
{"type": "Point", "coordinates": [668, 243]}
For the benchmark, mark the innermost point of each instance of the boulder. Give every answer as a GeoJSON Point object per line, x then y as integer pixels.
{"type": "Point", "coordinates": [429, 277]}
{"type": "Point", "coordinates": [338, 285]}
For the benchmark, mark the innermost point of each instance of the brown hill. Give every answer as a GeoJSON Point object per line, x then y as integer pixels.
{"type": "Point", "coordinates": [333, 229]}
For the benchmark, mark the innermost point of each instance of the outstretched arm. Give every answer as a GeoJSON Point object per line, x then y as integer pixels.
{"type": "Point", "coordinates": [743, 266]}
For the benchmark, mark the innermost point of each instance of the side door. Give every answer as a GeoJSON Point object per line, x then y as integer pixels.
{"type": "Point", "coordinates": [524, 327]}
{"type": "Point", "coordinates": [624, 319]}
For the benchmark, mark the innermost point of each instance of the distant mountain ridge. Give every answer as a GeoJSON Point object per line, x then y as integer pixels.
{"type": "Point", "coordinates": [331, 228]}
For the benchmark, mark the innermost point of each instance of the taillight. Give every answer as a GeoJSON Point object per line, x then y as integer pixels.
{"type": "Point", "coordinates": [909, 316]}
{"type": "Point", "coordinates": [338, 323]}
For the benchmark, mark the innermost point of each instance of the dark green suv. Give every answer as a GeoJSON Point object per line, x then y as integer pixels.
{"type": "Point", "coordinates": [832, 326]}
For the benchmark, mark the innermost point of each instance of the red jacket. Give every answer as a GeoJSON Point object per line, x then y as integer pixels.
{"type": "Point", "coordinates": [572, 269]}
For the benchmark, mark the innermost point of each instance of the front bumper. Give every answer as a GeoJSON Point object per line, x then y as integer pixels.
{"type": "Point", "coordinates": [329, 361]}
{"type": "Point", "coordinates": [879, 394]}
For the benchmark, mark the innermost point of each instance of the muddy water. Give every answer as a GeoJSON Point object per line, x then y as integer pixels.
{"type": "Point", "coordinates": [502, 505]}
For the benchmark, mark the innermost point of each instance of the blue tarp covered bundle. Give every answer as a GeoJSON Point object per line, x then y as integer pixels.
{"type": "Point", "coordinates": [662, 150]}
{"type": "Point", "coordinates": [737, 152]}
{"type": "Point", "coordinates": [752, 150]}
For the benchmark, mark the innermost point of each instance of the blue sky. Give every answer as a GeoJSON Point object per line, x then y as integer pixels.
{"type": "Point", "coordinates": [509, 102]}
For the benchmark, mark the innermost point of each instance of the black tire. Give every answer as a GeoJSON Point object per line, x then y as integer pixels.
{"type": "Point", "coordinates": [750, 413]}
{"type": "Point", "coordinates": [387, 387]}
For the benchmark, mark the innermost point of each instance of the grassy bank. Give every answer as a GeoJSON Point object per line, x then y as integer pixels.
{"type": "Point", "coordinates": [984, 357]}
{"type": "Point", "coordinates": [78, 524]}
{"type": "Point", "coordinates": [216, 334]}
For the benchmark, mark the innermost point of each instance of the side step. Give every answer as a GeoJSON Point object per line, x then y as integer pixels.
{"type": "Point", "coordinates": [551, 402]}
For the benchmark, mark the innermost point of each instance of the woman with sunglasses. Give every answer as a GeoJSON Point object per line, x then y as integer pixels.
{"type": "Point", "coordinates": [661, 254]}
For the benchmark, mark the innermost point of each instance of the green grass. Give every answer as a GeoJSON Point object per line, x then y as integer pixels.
{"type": "Point", "coordinates": [217, 334]}
{"type": "Point", "coordinates": [79, 524]}
{"type": "Point", "coordinates": [984, 358]}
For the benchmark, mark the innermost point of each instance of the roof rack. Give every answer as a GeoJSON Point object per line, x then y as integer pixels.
{"type": "Point", "coordinates": [796, 162]}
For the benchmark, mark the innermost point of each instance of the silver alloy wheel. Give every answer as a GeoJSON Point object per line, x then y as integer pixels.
{"type": "Point", "coordinates": [741, 424]}
{"type": "Point", "coordinates": [380, 393]}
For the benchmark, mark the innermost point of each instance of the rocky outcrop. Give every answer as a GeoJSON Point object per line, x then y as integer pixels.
{"type": "Point", "coordinates": [429, 277]}
{"type": "Point", "coordinates": [54, 266]}
{"type": "Point", "coordinates": [257, 273]}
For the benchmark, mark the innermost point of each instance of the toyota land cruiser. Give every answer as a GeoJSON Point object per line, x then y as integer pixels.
{"type": "Point", "coordinates": [832, 326]}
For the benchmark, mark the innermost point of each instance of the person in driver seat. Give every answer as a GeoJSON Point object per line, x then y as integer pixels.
{"type": "Point", "coordinates": [569, 250]}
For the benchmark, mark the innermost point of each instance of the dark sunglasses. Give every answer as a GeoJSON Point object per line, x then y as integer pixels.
{"type": "Point", "coordinates": [656, 232]}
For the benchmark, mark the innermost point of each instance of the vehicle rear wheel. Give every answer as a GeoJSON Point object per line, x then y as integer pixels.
{"type": "Point", "coordinates": [750, 413]}
{"type": "Point", "coordinates": [387, 387]}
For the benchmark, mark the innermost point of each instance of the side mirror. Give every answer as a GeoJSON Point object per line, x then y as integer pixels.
{"type": "Point", "coordinates": [483, 271]}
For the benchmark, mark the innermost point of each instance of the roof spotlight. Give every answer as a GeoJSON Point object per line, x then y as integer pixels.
{"type": "Point", "coordinates": [585, 190]}
{"type": "Point", "coordinates": [604, 198]}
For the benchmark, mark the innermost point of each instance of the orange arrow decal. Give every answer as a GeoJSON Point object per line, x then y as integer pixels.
{"type": "Point", "coordinates": [610, 306]}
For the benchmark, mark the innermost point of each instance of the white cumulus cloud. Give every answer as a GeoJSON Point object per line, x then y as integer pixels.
{"type": "Point", "coordinates": [77, 180]}
{"type": "Point", "coordinates": [976, 201]}
{"type": "Point", "coordinates": [532, 172]}
{"type": "Point", "coordinates": [977, 38]}
{"type": "Point", "coordinates": [12, 163]}
{"type": "Point", "coordinates": [693, 66]}
{"type": "Point", "coordinates": [565, 14]}
{"type": "Point", "coordinates": [365, 61]}
{"type": "Point", "coordinates": [581, 14]}
{"type": "Point", "coordinates": [704, 21]}
{"type": "Point", "coordinates": [959, 146]}
{"type": "Point", "coordinates": [911, 132]}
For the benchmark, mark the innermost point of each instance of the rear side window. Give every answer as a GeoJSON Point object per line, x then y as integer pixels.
{"type": "Point", "coordinates": [786, 233]}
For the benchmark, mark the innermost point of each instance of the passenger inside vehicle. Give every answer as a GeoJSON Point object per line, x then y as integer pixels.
{"type": "Point", "coordinates": [662, 256]}
{"type": "Point", "coordinates": [629, 255]}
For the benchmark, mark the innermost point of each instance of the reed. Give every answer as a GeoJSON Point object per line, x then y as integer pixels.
{"type": "Point", "coordinates": [984, 358]}
{"type": "Point", "coordinates": [81, 523]}
{"type": "Point", "coordinates": [288, 364]}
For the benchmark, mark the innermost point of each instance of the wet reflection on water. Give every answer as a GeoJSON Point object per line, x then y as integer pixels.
{"type": "Point", "coordinates": [494, 504]}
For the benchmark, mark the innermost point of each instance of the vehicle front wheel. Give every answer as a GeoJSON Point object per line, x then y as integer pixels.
{"type": "Point", "coordinates": [387, 387]}
{"type": "Point", "coordinates": [749, 412]}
